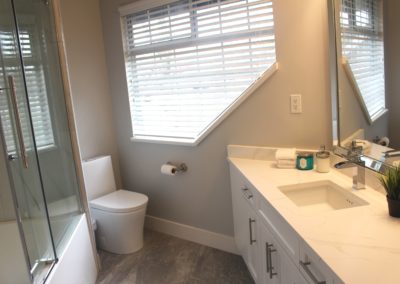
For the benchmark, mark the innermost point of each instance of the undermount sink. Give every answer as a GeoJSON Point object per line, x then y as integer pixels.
{"type": "Point", "coordinates": [321, 196]}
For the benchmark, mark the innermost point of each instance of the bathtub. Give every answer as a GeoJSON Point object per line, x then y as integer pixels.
{"type": "Point", "coordinates": [77, 263]}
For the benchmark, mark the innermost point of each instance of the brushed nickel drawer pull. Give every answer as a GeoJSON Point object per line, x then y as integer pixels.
{"type": "Point", "coordinates": [267, 255]}
{"type": "Point", "coordinates": [305, 265]}
{"type": "Point", "coordinates": [270, 269]}
{"type": "Point", "coordinates": [251, 221]}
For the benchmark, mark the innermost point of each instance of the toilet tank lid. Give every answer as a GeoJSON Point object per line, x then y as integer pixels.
{"type": "Point", "coordinates": [120, 201]}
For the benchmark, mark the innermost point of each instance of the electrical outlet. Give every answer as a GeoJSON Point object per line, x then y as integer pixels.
{"type": "Point", "coordinates": [295, 103]}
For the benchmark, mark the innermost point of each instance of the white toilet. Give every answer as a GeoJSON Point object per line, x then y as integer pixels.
{"type": "Point", "coordinates": [119, 214]}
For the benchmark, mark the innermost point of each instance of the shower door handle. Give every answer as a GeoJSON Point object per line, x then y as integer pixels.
{"type": "Point", "coordinates": [11, 157]}
{"type": "Point", "coordinates": [20, 135]}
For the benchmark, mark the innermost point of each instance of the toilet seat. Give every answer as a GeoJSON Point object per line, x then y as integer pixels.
{"type": "Point", "coordinates": [120, 201]}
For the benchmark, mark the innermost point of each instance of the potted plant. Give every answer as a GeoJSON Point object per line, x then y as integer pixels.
{"type": "Point", "coordinates": [391, 182]}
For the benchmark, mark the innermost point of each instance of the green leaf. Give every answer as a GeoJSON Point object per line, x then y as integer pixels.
{"type": "Point", "coordinates": [391, 182]}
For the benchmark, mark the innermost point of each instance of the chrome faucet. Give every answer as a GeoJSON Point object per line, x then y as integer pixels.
{"type": "Point", "coordinates": [359, 177]}
{"type": "Point", "coordinates": [354, 160]}
{"type": "Point", "coordinates": [391, 153]}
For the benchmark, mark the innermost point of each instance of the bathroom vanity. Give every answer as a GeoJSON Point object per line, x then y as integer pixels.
{"type": "Point", "coordinates": [296, 226]}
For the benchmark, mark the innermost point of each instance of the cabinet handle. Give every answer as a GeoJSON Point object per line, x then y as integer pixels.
{"type": "Point", "coordinates": [314, 279]}
{"type": "Point", "coordinates": [251, 221]}
{"type": "Point", "coordinates": [267, 255]}
{"type": "Point", "coordinates": [270, 268]}
{"type": "Point", "coordinates": [247, 193]}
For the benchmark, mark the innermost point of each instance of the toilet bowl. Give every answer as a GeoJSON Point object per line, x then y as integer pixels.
{"type": "Point", "coordinates": [119, 214]}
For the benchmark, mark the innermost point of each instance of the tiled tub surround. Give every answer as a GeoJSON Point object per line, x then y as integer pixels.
{"type": "Point", "coordinates": [357, 245]}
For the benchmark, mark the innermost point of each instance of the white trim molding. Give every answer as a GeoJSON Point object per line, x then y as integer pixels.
{"type": "Point", "coordinates": [193, 234]}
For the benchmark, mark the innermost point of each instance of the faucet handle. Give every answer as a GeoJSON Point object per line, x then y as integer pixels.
{"type": "Point", "coordinates": [355, 149]}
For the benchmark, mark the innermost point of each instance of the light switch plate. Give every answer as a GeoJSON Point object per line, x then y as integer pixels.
{"type": "Point", "coordinates": [295, 103]}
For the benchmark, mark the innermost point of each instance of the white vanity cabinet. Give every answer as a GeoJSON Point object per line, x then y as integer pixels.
{"type": "Point", "coordinates": [272, 250]}
{"type": "Point", "coordinates": [245, 223]}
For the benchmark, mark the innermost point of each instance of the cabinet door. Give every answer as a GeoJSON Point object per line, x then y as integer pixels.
{"type": "Point", "coordinates": [245, 233]}
{"type": "Point", "coordinates": [244, 221]}
{"type": "Point", "coordinates": [253, 255]}
{"type": "Point", "coordinates": [240, 220]}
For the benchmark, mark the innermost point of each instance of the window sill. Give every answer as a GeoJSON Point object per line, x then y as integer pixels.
{"type": "Point", "coordinates": [165, 140]}
{"type": "Point", "coordinates": [378, 115]}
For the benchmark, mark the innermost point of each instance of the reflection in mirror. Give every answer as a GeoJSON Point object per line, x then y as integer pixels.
{"type": "Point", "coordinates": [368, 63]}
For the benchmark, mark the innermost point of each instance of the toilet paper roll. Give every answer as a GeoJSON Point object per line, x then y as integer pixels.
{"type": "Point", "coordinates": [384, 141]}
{"type": "Point", "coordinates": [169, 170]}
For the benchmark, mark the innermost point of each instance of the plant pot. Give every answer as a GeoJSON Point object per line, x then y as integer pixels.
{"type": "Point", "coordinates": [394, 207]}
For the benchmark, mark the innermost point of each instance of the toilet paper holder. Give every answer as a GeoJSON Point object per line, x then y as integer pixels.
{"type": "Point", "coordinates": [180, 168]}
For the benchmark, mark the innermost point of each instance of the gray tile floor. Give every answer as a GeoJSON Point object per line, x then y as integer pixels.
{"type": "Point", "coordinates": [169, 260]}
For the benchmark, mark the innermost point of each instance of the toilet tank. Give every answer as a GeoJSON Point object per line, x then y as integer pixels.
{"type": "Point", "coordinates": [99, 176]}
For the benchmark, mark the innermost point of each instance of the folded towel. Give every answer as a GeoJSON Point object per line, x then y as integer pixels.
{"type": "Point", "coordinates": [285, 154]}
{"type": "Point", "coordinates": [286, 164]}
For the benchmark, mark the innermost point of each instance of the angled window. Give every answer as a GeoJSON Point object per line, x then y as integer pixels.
{"type": "Point", "coordinates": [189, 62]}
{"type": "Point", "coordinates": [361, 27]}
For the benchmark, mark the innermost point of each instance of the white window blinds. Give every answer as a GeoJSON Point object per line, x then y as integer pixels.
{"type": "Point", "coordinates": [362, 46]}
{"type": "Point", "coordinates": [188, 61]}
{"type": "Point", "coordinates": [36, 87]}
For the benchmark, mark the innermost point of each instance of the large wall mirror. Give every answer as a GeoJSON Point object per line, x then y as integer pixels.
{"type": "Point", "coordinates": [365, 35]}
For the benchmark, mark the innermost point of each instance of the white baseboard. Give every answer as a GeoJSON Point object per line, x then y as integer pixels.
{"type": "Point", "coordinates": [197, 235]}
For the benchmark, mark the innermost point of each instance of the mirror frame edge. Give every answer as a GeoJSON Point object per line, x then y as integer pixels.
{"type": "Point", "coordinates": [370, 163]}
{"type": "Point", "coordinates": [333, 71]}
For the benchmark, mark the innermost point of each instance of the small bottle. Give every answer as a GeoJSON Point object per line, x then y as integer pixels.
{"type": "Point", "coordinates": [322, 160]}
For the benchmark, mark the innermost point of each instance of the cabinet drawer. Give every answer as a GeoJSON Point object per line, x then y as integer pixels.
{"type": "Point", "coordinates": [287, 237]}
{"type": "Point", "coordinates": [312, 267]}
{"type": "Point", "coordinates": [242, 188]}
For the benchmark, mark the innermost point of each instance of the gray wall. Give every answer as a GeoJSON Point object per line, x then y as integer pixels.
{"type": "Point", "coordinates": [392, 51]}
{"type": "Point", "coordinates": [88, 79]}
{"type": "Point", "coordinates": [201, 197]}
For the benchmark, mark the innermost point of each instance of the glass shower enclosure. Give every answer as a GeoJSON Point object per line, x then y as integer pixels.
{"type": "Point", "coordinates": [39, 193]}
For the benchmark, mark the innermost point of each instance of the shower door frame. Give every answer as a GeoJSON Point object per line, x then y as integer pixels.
{"type": "Point", "coordinates": [15, 120]}
{"type": "Point", "coordinates": [57, 17]}
{"type": "Point", "coordinates": [56, 5]}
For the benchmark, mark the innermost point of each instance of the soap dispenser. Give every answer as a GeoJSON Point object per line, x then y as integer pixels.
{"type": "Point", "coordinates": [323, 161]}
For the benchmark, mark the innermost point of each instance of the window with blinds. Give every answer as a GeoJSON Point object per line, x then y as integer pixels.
{"type": "Point", "coordinates": [362, 48]}
{"type": "Point", "coordinates": [35, 85]}
{"type": "Point", "coordinates": [187, 62]}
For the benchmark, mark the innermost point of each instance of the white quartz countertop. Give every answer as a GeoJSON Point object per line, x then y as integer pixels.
{"type": "Point", "coordinates": [360, 244]}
